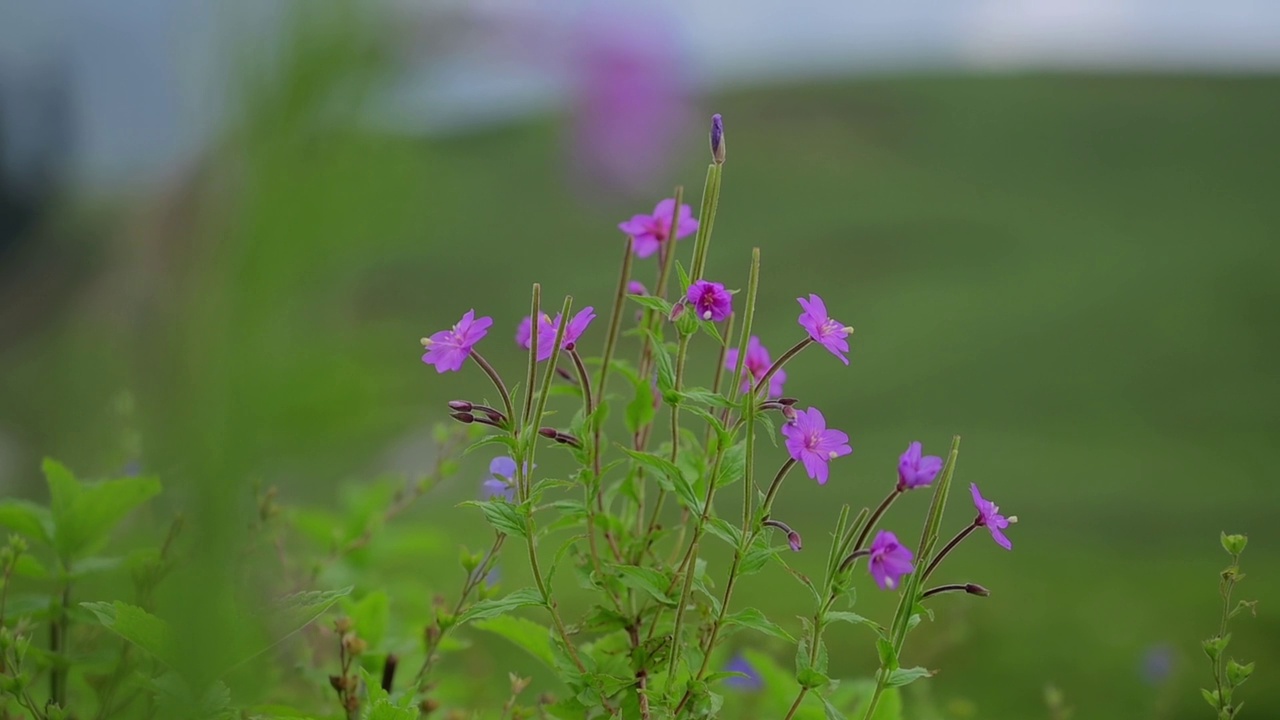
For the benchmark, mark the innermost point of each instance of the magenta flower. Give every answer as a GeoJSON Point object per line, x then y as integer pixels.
{"type": "Point", "coordinates": [524, 332]}
{"type": "Point", "coordinates": [989, 517]}
{"type": "Point", "coordinates": [889, 560]}
{"type": "Point", "coordinates": [650, 231]}
{"type": "Point", "coordinates": [710, 300]}
{"type": "Point", "coordinates": [755, 366]}
{"type": "Point", "coordinates": [635, 287]}
{"type": "Point", "coordinates": [810, 442]}
{"type": "Point", "coordinates": [448, 349]}
{"type": "Point", "coordinates": [915, 471]}
{"type": "Point", "coordinates": [547, 331]}
{"type": "Point", "coordinates": [824, 331]}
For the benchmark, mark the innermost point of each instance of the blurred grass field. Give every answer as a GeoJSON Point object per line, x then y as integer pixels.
{"type": "Point", "coordinates": [1076, 274]}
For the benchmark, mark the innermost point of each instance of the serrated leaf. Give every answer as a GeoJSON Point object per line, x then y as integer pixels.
{"type": "Point", "coordinates": [384, 709]}
{"type": "Point", "coordinates": [530, 636]}
{"type": "Point", "coordinates": [652, 302]}
{"type": "Point", "coordinates": [148, 632]}
{"type": "Point", "coordinates": [505, 517]}
{"type": "Point", "coordinates": [854, 618]}
{"type": "Point", "coordinates": [733, 465]}
{"type": "Point", "coordinates": [646, 580]}
{"type": "Point", "coordinates": [833, 713]}
{"type": "Point", "coordinates": [641, 410]}
{"type": "Point", "coordinates": [84, 514]}
{"type": "Point", "coordinates": [724, 530]}
{"type": "Point", "coordinates": [906, 676]}
{"type": "Point", "coordinates": [27, 518]}
{"type": "Point", "coordinates": [669, 476]}
{"type": "Point", "coordinates": [754, 619]}
{"type": "Point", "coordinates": [524, 597]}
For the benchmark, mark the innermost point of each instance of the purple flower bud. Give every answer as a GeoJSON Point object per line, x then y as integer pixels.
{"type": "Point", "coordinates": [460, 405]}
{"type": "Point", "coordinates": [676, 311]}
{"type": "Point", "coordinates": [465, 418]}
{"type": "Point", "coordinates": [793, 539]}
{"type": "Point", "coordinates": [717, 139]}
{"type": "Point", "coordinates": [975, 589]}
{"type": "Point", "coordinates": [549, 433]}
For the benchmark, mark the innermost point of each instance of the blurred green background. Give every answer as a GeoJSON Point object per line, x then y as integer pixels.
{"type": "Point", "coordinates": [1074, 273]}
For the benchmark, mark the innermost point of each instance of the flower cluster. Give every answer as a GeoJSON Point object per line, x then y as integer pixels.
{"type": "Point", "coordinates": [622, 521]}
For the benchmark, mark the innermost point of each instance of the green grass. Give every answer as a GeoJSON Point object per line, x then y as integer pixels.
{"type": "Point", "coordinates": [1076, 274]}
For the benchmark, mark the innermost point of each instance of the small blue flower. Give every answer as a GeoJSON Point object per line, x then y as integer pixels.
{"type": "Point", "coordinates": [748, 680]}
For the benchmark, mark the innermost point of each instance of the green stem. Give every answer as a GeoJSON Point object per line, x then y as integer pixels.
{"type": "Point", "coordinates": [615, 319]}
{"type": "Point", "coordinates": [534, 318]}
{"type": "Point", "coordinates": [497, 382]}
{"type": "Point", "coordinates": [706, 220]}
{"type": "Point", "coordinates": [777, 483]}
{"type": "Point", "coordinates": [948, 548]}
{"type": "Point", "coordinates": [777, 364]}
{"type": "Point", "coordinates": [875, 518]}
{"type": "Point", "coordinates": [547, 379]}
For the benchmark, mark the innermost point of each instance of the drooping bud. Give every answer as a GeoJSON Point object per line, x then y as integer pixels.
{"type": "Point", "coordinates": [717, 139]}
{"type": "Point", "coordinates": [460, 406]}
{"type": "Point", "coordinates": [465, 418]}
{"type": "Point", "coordinates": [976, 589]}
{"type": "Point", "coordinates": [793, 537]}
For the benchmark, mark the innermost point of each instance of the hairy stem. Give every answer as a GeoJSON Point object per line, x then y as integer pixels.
{"type": "Point", "coordinates": [948, 548]}
{"type": "Point", "coordinates": [497, 382]}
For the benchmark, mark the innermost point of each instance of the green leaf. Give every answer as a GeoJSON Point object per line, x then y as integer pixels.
{"type": "Point", "coordinates": [652, 302]}
{"type": "Point", "coordinates": [669, 476]}
{"type": "Point", "coordinates": [666, 367]}
{"type": "Point", "coordinates": [384, 709]}
{"type": "Point", "coordinates": [137, 626]}
{"type": "Point", "coordinates": [371, 616]}
{"type": "Point", "coordinates": [84, 514]}
{"type": "Point", "coordinates": [888, 656]}
{"type": "Point", "coordinates": [646, 580]}
{"type": "Point", "coordinates": [833, 713]}
{"type": "Point", "coordinates": [641, 410]}
{"type": "Point", "coordinates": [505, 517]}
{"type": "Point", "coordinates": [530, 636]}
{"type": "Point", "coordinates": [685, 280]}
{"type": "Point", "coordinates": [733, 465]}
{"type": "Point", "coordinates": [754, 619]}
{"type": "Point", "coordinates": [906, 676]}
{"type": "Point", "coordinates": [1210, 696]}
{"type": "Point", "coordinates": [853, 618]}
{"type": "Point", "coordinates": [500, 606]}
{"type": "Point", "coordinates": [724, 530]}
{"type": "Point", "coordinates": [27, 518]}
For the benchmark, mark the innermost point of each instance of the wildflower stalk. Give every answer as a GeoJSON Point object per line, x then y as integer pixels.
{"type": "Point", "coordinates": [782, 360]}
{"type": "Point", "coordinates": [615, 319]}
{"type": "Point", "coordinates": [911, 589]}
{"type": "Point", "coordinates": [497, 382]}
{"type": "Point", "coordinates": [719, 373]}
{"type": "Point", "coordinates": [706, 220]}
{"type": "Point", "coordinates": [474, 578]}
{"type": "Point", "coordinates": [529, 446]}
{"type": "Point", "coordinates": [753, 285]}
{"type": "Point", "coordinates": [777, 483]}
{"type": "Point", "coordinates": [533, 355]}
{"type": "Point", "coordinates": [875, 517]}
{"type": "Point", "coordinates": [948, 548]}
{"type": "Point", "coordinates": [681, 355]}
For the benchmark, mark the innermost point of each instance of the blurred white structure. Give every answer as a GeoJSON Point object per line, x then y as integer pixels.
{"type": "Point", "coordinates": [118, 94]}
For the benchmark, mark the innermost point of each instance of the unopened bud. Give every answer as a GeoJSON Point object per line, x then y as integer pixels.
{"type": "Point", "coordinates": [428, 706]}
{"type": "Point", "coordinates": [789, 413]}
{"type": "Point", "coordinates": [976, 589]}
{"type": "Point", "coordinates": [787, 401]}
{"type": "Point", "coordinates": [460, 405]}
{"type": "Point", "coordinates": [793, 539]}
{"type": "Point", "coordinates": [343, 625]}
{"type": "Point", "coordinates": [717, 139]}
{"type": "Point", "coordinates": [336, 682]}
{"type": "Point", "coordinates": [465, 418]}
{"type": "Point", "coordinates": [676, 311]}
{"type": "Point", "coordinates": [1234, 544]}
{"type": "Point", "coordinates": [354, 645]}
{"type": "Point", "coordinates": [548, 433]}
